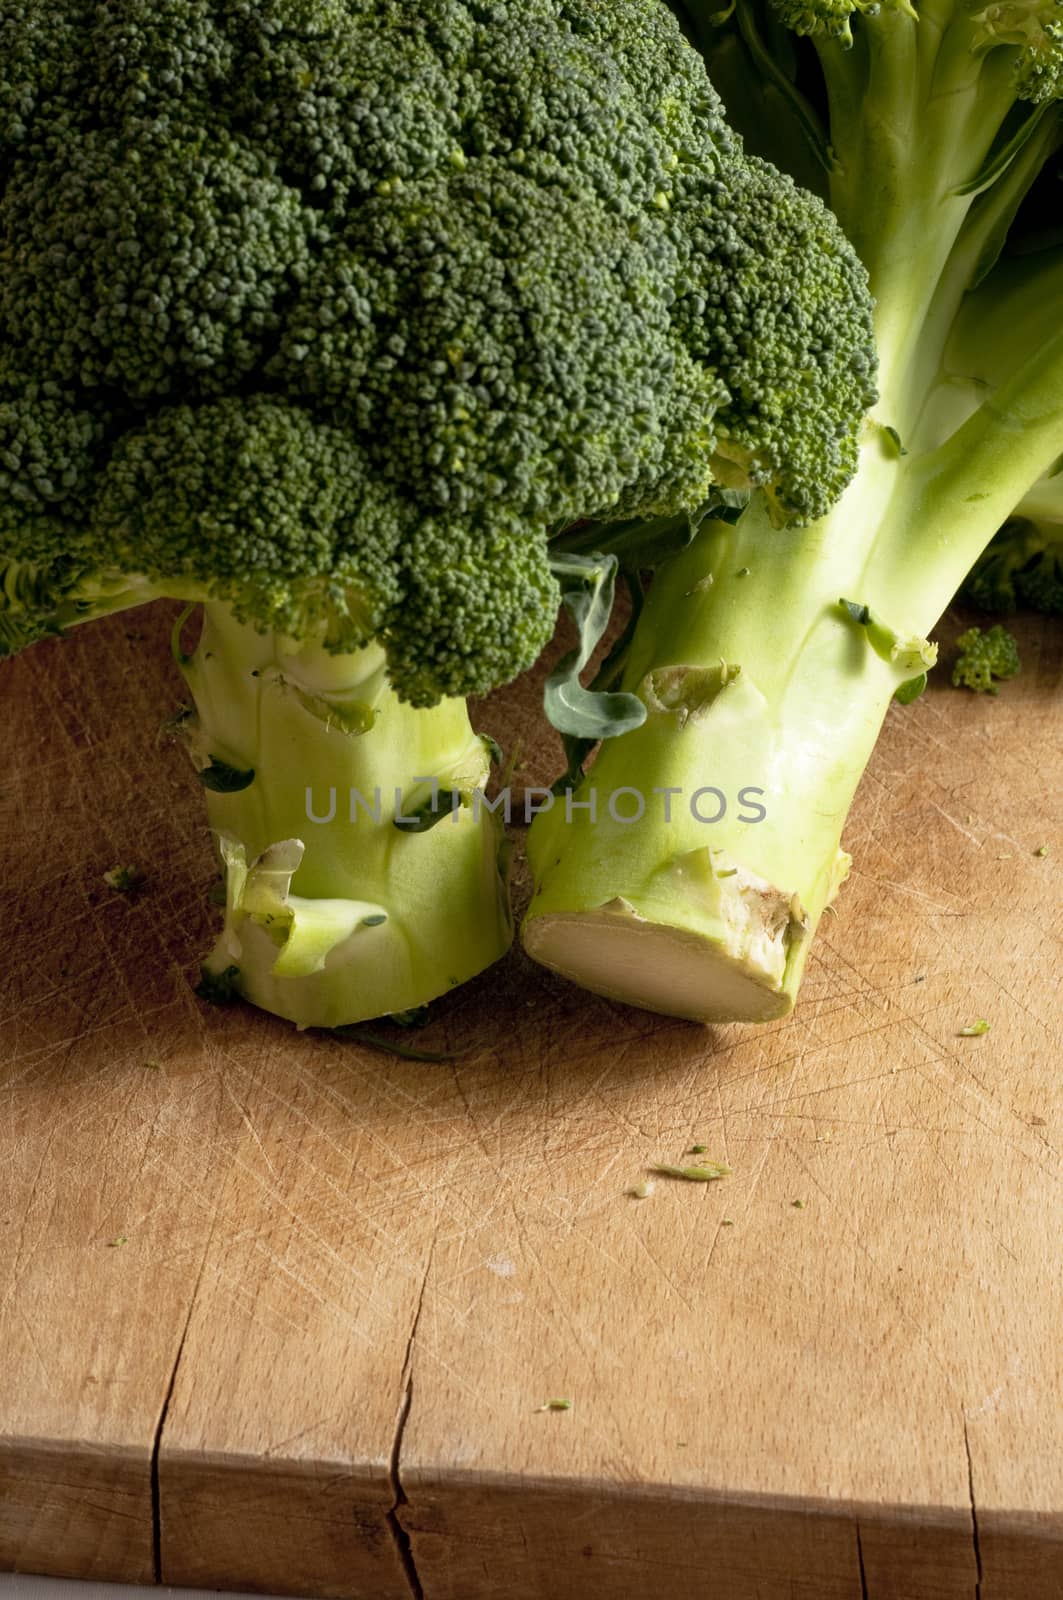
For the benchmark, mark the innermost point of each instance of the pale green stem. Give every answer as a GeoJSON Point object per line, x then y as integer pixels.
{"type": "Point", "coordinates": [327, 738]}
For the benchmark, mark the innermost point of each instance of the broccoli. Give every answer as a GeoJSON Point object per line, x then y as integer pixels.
{"type": "Point", "coordinates": [323, 316]}
{"type": "Point", "coordinates": [985, 658]}
{"type": "Point", "coordinates": [932, 128]}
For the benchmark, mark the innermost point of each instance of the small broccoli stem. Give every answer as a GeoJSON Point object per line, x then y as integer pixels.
{"type": "Point", "coordinates": [362, 918]}
{"type": "Point", "coordinates": [955, 497]}
{"type": "Point", "coordinates": [764, 701]}
{"type": "Point", "coordinates": [979, 239]}
{"type": "Point", "coordinates": [903, 216]}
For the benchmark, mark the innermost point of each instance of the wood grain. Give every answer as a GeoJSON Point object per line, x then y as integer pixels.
{"type": "Point", "coordinates": [348, 1282]}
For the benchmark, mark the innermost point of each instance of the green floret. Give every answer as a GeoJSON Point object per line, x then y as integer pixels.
{"type": "Point", "coordinates": [473, 598]}
{"type": "Point", "coordinates": [773, 272]}
{"type": "Point", "coordinates": [1035, 29]}
{"type": "Point", "coordinates": [257, 503]}
{"type": "Point", "coordinates": [147, 260]}
{"type": "Point", "coordinates": [832, 19]}
{"type": "Point", "coordinates": [985, 658]}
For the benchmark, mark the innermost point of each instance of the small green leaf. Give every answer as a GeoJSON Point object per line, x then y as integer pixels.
{"type": "Point", "coordinates": [588, 585]}
{"type": "Point", "coordinates": [911, 690]}
{"type": "Point", "coordinates": [221, 778]}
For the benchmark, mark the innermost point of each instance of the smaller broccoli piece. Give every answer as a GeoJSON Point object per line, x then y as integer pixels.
{"type": "Point", "coordinates": [124, 879]}
{"type": "Point", "coordinates": [984, 657]}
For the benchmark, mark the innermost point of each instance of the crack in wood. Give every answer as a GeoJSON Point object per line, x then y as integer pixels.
{"type": "Point", "coordinates": [156, 1501]}
{"type": "Point", "coordinates": [403, 1543]}
{"type": "Point", "coordinates": [156, 1495]}
{"type": "Point", "coordinates": [974, 1514]}
{"type": "Point", "coordinates": [860, 1561]}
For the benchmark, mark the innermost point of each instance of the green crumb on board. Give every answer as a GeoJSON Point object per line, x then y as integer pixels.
{"type": "Point", "coordinates": [698, 1149]}
{"type": "Point", "coordinates": [117, 1242]}
{"type": "Point", "coordinates": [1042, 850]}
{"type": "Point", "coordinates": [124, 879]}
{"type": "Point", "coordinates": [975, 1030]}
{"type": "Point", "coordinates": [704, 1172]}
{"type": "Point", "coordinates": [642, 1191]}
{"type": "Point", "coordinates": [798, 1205]}
{"type": "Point", "coordinates": [556, 1405]}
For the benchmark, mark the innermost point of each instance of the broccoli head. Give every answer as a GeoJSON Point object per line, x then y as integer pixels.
{"type": "Point", "coordinates": [334, 310]}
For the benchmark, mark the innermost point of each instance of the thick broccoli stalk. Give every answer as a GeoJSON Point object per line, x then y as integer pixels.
{"type": "Point", "coordinates": [323, 791]}
{"type": "Point", "coordinates": [767, 659]}
{"type": "Point", "coordinates": [695, 884]}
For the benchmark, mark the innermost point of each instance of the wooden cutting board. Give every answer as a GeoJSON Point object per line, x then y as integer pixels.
{"type": "Point", "coordinates": [281, 1311]}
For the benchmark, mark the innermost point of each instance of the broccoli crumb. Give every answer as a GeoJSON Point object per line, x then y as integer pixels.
{"type": "Point", "coordinates": [798, 1205]}
{"type": "Point", "coordinates": [118, 1242]}
{"type": "Point", "coordinates": [1042, 850]}
{"type": "Point", "coordinates": [124, 879]}
{"type": "Point", "coordinates": [698, 1149]}
{"type": "Point", "coordinates": [642, 1191]}
{"type": "Point", "coordinates": [705, 1172]}
{"type": "Point", "coordinates": [985, 658]}
{"type": "Point", "coordinates": [974, 1030]}
{"type": "Point", "coordinates": [556, 1405]}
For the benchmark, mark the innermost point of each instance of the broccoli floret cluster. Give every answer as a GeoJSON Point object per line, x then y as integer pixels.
{"type": "Point", "coordinates": [1034, 28]}
{"type": "Point", "coordinates": [336, 308]}
{"type": "Point", "coordinates": [765, 314]}
{"type": "Point", "coordinates": [985, 658]}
